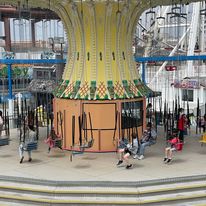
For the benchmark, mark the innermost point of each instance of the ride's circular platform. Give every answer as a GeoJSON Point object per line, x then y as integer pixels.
{"type": "Point", "coordinates": [57, 166]}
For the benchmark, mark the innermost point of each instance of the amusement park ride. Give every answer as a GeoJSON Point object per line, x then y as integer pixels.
{"type": "Point", "coordinates": [101, 91]}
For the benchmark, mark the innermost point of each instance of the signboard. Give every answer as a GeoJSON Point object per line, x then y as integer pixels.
{"type": "Point", "coordinates": [170, 68]}
{"type": "Point", "coordinates": [187, 83]}
{"type": "Point", "coordinates": [17, 71]}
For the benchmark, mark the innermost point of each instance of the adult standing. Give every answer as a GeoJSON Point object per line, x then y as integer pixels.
{"type": "Point", "coordinates": [181, 124]}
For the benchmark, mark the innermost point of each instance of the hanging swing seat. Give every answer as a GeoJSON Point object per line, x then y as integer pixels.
{"type": "Point", "coordinates": [30, 146]}
{"type": "Point", "coordinates": [88, 144]}
{"type": "Point", "coordinates": [75, 152]}
{"type": "Point", "coordinates": [4, 141]}
{"type": "Point", "coordinates": [177, 143]}
{"type": "Point", "coordinates": [82, 147]}
{"type": "Point", "coordinates": [123, 143]}
{"type": "Point", "coordinates": [58, 143]}
{"type": "Point", "coordinates": [179, 146]}
{"type": "Point", "coordinates": [203, 140]}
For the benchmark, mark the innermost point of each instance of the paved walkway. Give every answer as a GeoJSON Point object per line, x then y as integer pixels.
{"type": "Point", "coordinates": [102, 167]}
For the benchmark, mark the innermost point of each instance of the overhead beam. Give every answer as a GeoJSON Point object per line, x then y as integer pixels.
{"type": "Point", "coordinates": [32, 61]}
{"type": "Point", "coordinates": [169, 58]}
{"type": "Point", "coordinates": [137, 59]}
{"type": "Point", "coordinates": [37, 14]}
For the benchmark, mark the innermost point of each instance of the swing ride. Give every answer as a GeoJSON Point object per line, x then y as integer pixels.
{"type": "Point", "coordinates": [100, 79]}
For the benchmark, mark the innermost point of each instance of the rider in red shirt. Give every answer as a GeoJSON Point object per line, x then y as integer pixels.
{"type": "Point", "coordinates": [181, 124]}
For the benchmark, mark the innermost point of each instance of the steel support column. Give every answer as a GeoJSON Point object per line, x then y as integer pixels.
{"type": "Point", "coordinates": [9, 80]}
{"type": "Point", "coordinates": [7, 34]}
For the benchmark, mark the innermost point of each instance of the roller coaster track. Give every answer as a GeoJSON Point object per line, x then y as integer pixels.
{"type": "Point", "coordinates": [173, 191]}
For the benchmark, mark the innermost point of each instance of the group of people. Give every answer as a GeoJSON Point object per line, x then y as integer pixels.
{"type": "Point", "coordinates": [30, 136]}
{"type": "Point", "coordinates": [175, 141]}
{"type": "Point", "coordinates": [136, 148]}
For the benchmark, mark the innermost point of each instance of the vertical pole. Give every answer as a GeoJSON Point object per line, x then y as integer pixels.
{"type": "Point", "coordinates": [7, 34]}
{"type": "Point", "coordinates": [33, 40]}
{"type": "Point", "coordinates": [11, 106]}
{"type": "Point", "coordinates": [9, 80]}
{"type": "Point", "coordinates": [62, 51]}
{"type": "Point", "coordinates": [143, 72]}
{"type": "Point", "coordinates": [198, 118]}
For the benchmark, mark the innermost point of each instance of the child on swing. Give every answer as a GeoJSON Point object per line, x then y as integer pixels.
{"type": "Point", "coordinates": [127, 151]}
{"type": "Point", "coordinates": [51, 139]}
{"type": "Point", "coordinates": [173, 144]}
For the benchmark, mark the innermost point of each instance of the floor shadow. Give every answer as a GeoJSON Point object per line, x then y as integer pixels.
{"type": "Point", "coordinates": [136, 165]}
{"type": "Point", "coordinates": [56, 155]}
{"type": "Point", "coordinates": [89, 157]}
{"type": "Point", "coordinates": [178, 161]}
{"type": "Point", "coordinates": [34, 161]}
{"type": "Point", "coordinates": [37, 151]}
{"type": "Point", "coordinates": [82, 166]}
{"type": "Point", "coordinates": [5, 156]}
{"type": "Point", "coordinates": [151, 154]}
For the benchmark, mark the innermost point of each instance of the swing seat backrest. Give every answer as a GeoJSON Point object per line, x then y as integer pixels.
{"type": "Point", "coordinates": [58, 143]}
{"type": "Point", "coordinates": [89, 144]}
{"type": "Point", "coordinates": [174, 140]}
{"type": "Point", "coordinates": [179, 146]}
{"type": "Point", "coordinates": [31, 146]}
{"type": "Point", "coordinates": [123, 143]}
{"type": "Point", "coordinates": [4, 141]}
{"type": "Point", "coordinates": [134, 150]}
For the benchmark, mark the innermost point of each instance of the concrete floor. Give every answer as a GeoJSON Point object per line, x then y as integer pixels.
{"type": "Point", "coordinates": [102, 167]}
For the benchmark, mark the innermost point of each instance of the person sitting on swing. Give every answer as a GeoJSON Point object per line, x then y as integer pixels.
{"type": "Point", "coordinates": [173, 144]}
{"type": "Point", "coordinates": [30, 135]}
{"type": "Point", "coordinates": [127, 151]}
{"type": "Point", "coordinates": [51, 139]}
{"type": "Point", "coordinates": [149, 138]}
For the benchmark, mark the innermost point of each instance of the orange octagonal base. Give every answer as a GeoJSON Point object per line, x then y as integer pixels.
{"type": "Point", "coordinates": [110, 121]}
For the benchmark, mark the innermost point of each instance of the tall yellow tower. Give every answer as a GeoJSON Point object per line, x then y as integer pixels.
{"type": "Point", "coordinates": [101, 76]}
{"type": "Point", "coordinates": [100, 61]}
